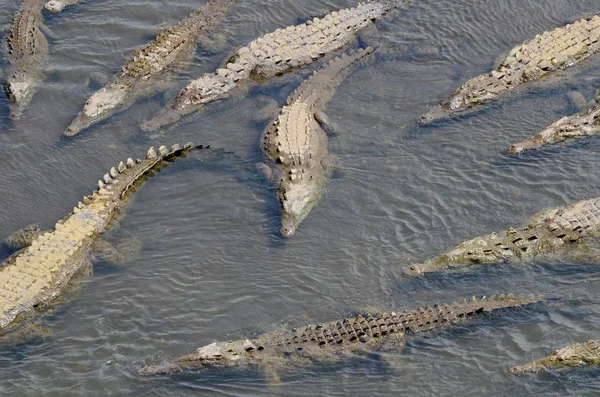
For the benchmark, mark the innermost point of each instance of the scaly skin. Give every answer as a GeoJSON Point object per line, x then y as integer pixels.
{"type": "Point", "coordinates": [271, 55]}
{"type": "Point", "coordinates": [55, 6]}
{"type": "Point", "coordinates": [27, 54]}
{"type": "Point", "coordinates": [297, 145]}
{"type": "Point", "coordinates": [574, 355]}
{"type": "Point", "coordinates": [145, 73]}
{"type": "Point", "coordinates": [545, 233]}
{"type": "Point", "coordinates": [574, 126]}
{"type": "Point", "coordinates": [539, 57]}
{"type": "Point", "coordinates": [332, 341]}
{"type": "Point", "coordinates": [37, 275]}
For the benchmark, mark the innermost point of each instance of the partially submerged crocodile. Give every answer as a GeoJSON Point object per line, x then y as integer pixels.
{"type": "Point", "coordinates": [271, 55]}
{"type": "Point", "coordinates": [26, 50]}
{"type": "Point", "coordinates": [574, 355]}
{"type": "Point", "coordinates": [58, 5]}
{"type": "Point", "coordinates": [37, 275]}
{"type": "Point", "coordinates": [145, 73]}
{"type": "Point", "coordinates": [545, 233]}
{"type": "Point", "coordinates": [297, 145]}
{"type": "Point", "coordinates": [539, 57]}
{"type": "Point", "coordinates": [332, 341]}
{"type": "Point", "coordinates": [574, 126]}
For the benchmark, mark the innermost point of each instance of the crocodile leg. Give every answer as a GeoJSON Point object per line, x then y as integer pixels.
{"type": "Point", "coordinates": [214, 42]}
{"type": "Point", "coordinates": [96, 79]}
{"type": "Point", "coordinates": [123, 253]}
{"type": "Point", "coordinates": [326, 124]}
{"type": "Point", "coordinates": [24, 237]}
{"type": "Point", "coordinates": [46, 31]}
{"type": "Point", "coordinates": [267, 113]}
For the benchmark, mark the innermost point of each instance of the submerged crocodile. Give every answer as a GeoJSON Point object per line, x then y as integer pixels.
{"type": "Point", "coordinates": [37, 275]}
{"type": "Point", "coordinates": [297, 145]}
{"type": "Point", "coordinates": [539, 57]}
{"type": "Point", "coordinates": [26, 50]}
{"type": "Point", "coordinates": [332, 341]}
{"type": "Point", "coordinates": [545, 233]}
{"type": "Point", "coordinates": [272, 55]}
{"type": "Point", "coordinates": [571, 356]}
{"type": "Point", "coordinates": [144, 73]}
{"type": "Point", "coordinates": [577, 125]}
{"type": "Point", "coordinates": [58, 5]}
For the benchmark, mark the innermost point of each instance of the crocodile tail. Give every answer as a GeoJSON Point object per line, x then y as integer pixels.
{"type": "Point", "coordinates": [439, 316]}
{"type": "Point", "coordinates": [124, 178]}
{"type": "Point", "coordinates": [327, 78]}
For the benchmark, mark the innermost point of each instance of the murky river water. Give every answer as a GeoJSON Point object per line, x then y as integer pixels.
{"type": "Point", "coordinates": [212, 266]}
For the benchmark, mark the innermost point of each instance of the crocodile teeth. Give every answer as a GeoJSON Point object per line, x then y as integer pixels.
{"type": "Point", "coordinates": [113, 172]}
{"type": "Point", "coordinates": [175, 148]}
{"type": "Point", "coordinates": [122, 167]}
{"type": "Point", "coordinates": [100, 184]}
{"type": "Point", "coordinates": [107, 178]}
{"type": "Point", "coordinates": [151, 153]}
{"type": "Point", "coordinates": [130, 162]}
{"type": "Point", "coordinates": [163, 150]}
{"type": "Point", "coordinates": [80, 205]}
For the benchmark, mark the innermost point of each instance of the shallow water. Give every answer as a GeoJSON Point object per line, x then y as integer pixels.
{"type": "Point", "coordinates": [212, 265]}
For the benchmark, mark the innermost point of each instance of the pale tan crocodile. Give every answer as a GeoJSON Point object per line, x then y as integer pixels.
{"type": "Point", "coordinates": [274, 54]}
{"type": "Point", "coordinates": [558, 49]}
{"type": "Point", "coordinates": [36, 276]}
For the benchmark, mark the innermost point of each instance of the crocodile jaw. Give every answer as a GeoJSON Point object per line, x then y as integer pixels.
{"type": "Point", "coordinates": [54, 6]}
{"type": "Point", "coordinates": [101, 105]}
{"type": "Point", "coordinates": [297, 200]}
{"type": "Point", "coordinates": [20, 90]}
{"type": "Point", "coordinates": [468, 253]}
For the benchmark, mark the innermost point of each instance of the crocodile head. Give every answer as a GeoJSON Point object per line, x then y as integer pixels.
{"type": "Point", "coordinates": [475, 251]}
{"type": "Point", "coordinates": [101, 105]}
{"type": "Point", "coordinates": [217, 354]}
{"type": "Point", "coordinates": [54, 6]}
{"type": "Point", "coordinates": [20, 88]}
{"type": "Point", "coordinates": [297, 199]}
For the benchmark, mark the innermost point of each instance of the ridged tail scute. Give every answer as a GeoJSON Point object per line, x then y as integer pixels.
{"type": "Point", "coordinates": [440, 316]}
{"type": "Point", "coordinates": [122, 179]}
{"type": "Point", "coordinates": [327, 77]}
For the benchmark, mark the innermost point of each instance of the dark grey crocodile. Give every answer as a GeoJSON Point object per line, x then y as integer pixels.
{"type": "Point", "coordinates": [273, 54]}
{"type": "Point", "coordinates": [58, 5]}
{"type": "Point", "coordinates": [148, 71]}
{"type": "Point", "coordinates": [569, 127]}
{"type": "Point", "coordinates": [332, 341]}
{"type": "Point", "coordinates": [37, 275]}
{"type": "Point", "coordinates": [574, 355]}
{"type": "Point", "coordinates": [539, 57]}
{"type": "Point", "coordinates": [545, 233]}
{"type": "Point", "coordinates": [26, 50]}
{"type": "Point", "coordinates": [296, 145]}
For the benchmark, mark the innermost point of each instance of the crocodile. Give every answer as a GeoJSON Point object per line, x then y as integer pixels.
{"type": "Point", "coordinates": [545, 54]}
{"type": "Point", "coordinates": [26, 49]}
{"type": "Point", "coordinates": [296, 143]}
{"type": "Point", "coordinates": [36, 276]}
{"type": "Point", "coordinates": [55, 6]}
{"type": "Point", "coordinates": [574, 355]}
{"type": "Point", "coordinates": [577, 125]}
{"type": "Point", "coordinates": [143, 74]}
{"type": "Point", "coordinates": [545, 233]}
{"type": "Point", "coordinates": [332, 341]}
{"type": "Point", "coordinates": [273, 54]}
